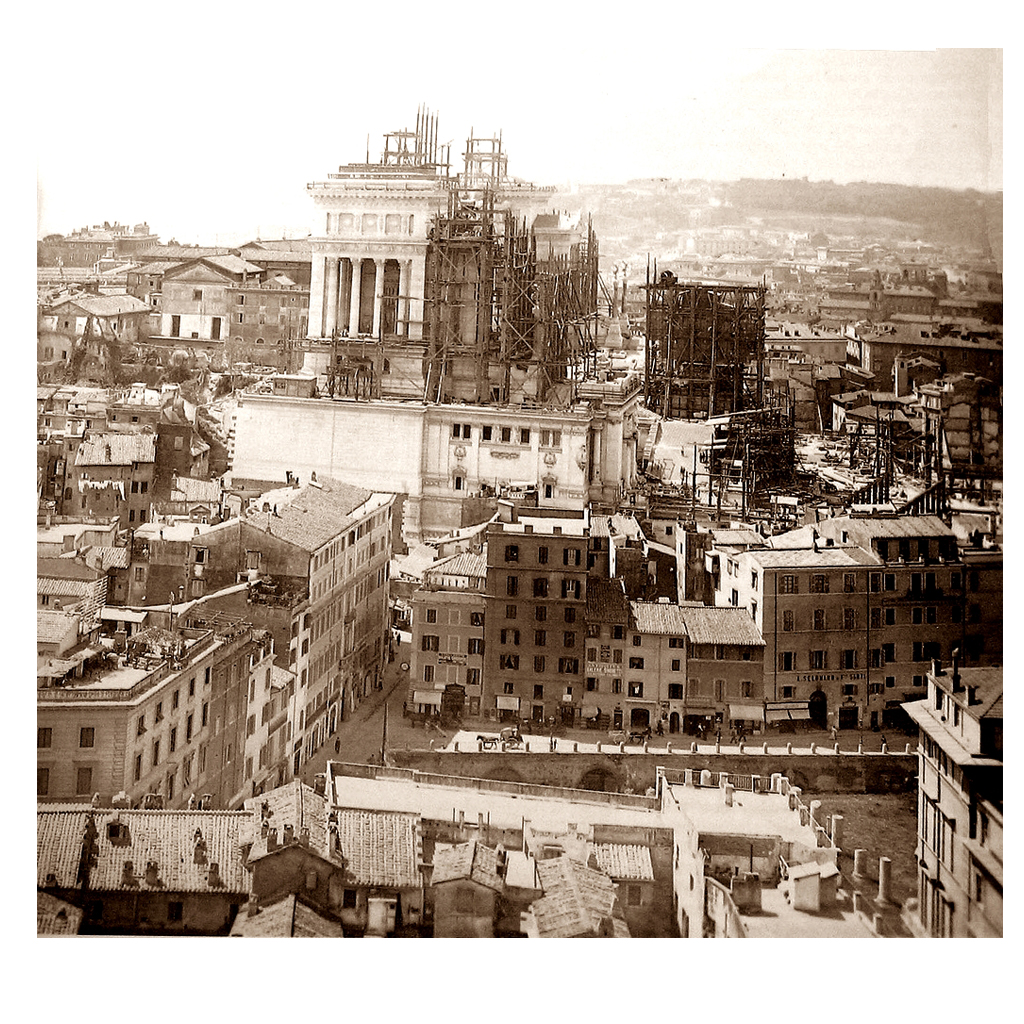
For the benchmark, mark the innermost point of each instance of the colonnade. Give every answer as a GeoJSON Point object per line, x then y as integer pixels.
{"type": "Point", "coordinates": [336, 296]}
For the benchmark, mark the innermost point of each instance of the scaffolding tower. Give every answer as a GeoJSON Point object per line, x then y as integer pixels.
{"type": "Point", "coordinates": [502, 325]}
{"type": "Point", "coordinates": [705, 347]}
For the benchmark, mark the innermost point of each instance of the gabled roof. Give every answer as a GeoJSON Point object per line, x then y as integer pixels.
{"type": "Point", "coordinates": [705, 625]}
{"type": "Point", "coordinates": [188, 488]}
{"type": "Point", "coordinates": [312, 516]}
{"type": "Point", "coordinates": [55, 916]}
{"type": "Point", "coordinates": [471, 861]}
{"type": "Point", "coordinates": [576, 901]}
{"type": "Point", "coordinates": [60, 832]}
{"type": "Point", "coordinates": [67, 569]}
{"type": "Point", "coordinates": [116, 449]}
{"type": "Point", "coordinates": [287, 918]}
{"type": "Point", "coordinates": [294, 804]}
{"type": "Point", "coordinates": [104, 305]}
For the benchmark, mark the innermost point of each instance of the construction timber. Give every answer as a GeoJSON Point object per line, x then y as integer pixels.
{"type": "Point", "coordinates": [705, 347]}
{"type": "Point", "coordinates": [502, 325]}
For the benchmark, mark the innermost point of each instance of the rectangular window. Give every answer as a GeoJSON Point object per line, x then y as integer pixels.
{"type": "Point", "coordinates": [511, 611]}
{"type": "Point", "coordinates": [188, 729]}
{"type": "Point", "coordinates": [197, 294]}
{"type": "Point", "coordinates": [849, 582]}
{"type": "Point", "coordinates": [819, 583]}
{"type": "Point", "coordinates": [429, 643]}
{"type": "Point", "coordinates": [876, 582]}
{"type": "Point", "coordinates": [476, 618]}
{"type": "Point", "coordinates": [44, 737]}
{"type": "Point", "coordinates": [616, 686]}
{"type": "Point", "coordinates": [568, 639]}
{"type": "Point", "coordinates": [890, 581]}
{"type": "Point", "coordinates": [476, 645]}
{"type": "Point", "coordinates": [540, 587]}
{"type": "Point", "coordinates": [876, 618]}
{"type": "Point", "coordinates": [888, 653]}
{"type": "Point", "coordinates": [788, 620]}
{"type": "Point", "coordinates": [636, 662]}
{"type": "Point", "coordinates": [848, 658]}
{"type": "Point", "coordinates": [83, 780]}
{"type": "Point", "coordinates": [817, 659]}
{"type": "Point", "coordinates": [509, 662]}
{"type": "Point", "coordinates": [542, 555]}
{"type": "Point", "coordinates": [592, 685]}
{"type": "Point", "coordinates": [819, 618]}
{"type": "Point", "coordinates": [676, 663]}
{"type": "Point", "coordinates": [509, 687]}
{"type": "Point", "coordinates": [538, 663]}
{"type": "Point", "coordinates": [570, 556]}
{"type": "Point", "coordinates": [849, 618]}
{"type": "Point", "coordinates": [140, 726]}
{"type": "Point", "coordinates": [431, 615]}
{"type": "Point", "coordinates": [787, 661]}
{"type": "Point", "coordinates": [788, 692]}
{"type": "Point", "coordinates": [87, 736]}
{"type": "Point", "coordinates": [512, 585]}
{"type": "Point", "coordinates": [506, 435]}
{"type": "Point", "coordinates": [205, 715]}
{"type": "Point", "coordinates": [428, 673]}
{"type": "Point", "coordinates": [636, 688]}
{"type": "Point", "coordinates": [511, 552]}
{"type": "Point", "coordinates": [788, 585]}
{"type": "Point", "coordinates": [524, 435]}
{"type": "Point", "coordinates": [540, 613]}
{"type": "Point", "coordinates": [569, 666]}
{"type": "Point", "coordinates": [540, 637]}
{"type": "Point", "coordinates": [675, 691]}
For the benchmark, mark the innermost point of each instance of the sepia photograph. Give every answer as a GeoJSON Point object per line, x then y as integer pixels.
{"type": "Point", "coordinates": [523, 472]}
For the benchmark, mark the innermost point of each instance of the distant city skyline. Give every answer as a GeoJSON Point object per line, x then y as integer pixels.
{"type": "Point", "coordinates": [225, 154]}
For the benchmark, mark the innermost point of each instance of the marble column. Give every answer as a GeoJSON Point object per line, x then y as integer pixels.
{"type": "Point", "coordinates": [331, 318]}
{"type": "Point", "coordinates": [316, 297]}
{"type": "Point", "coordinates": [357, 284]}
{"type": "Point", "coordinates": [344, 292]}
{"type": "Point", "coordinates": [417, 285]}
{"type": "Point", "coordinates": [378, 294]}
{"type": "Point", "coordinates": [404, 284]}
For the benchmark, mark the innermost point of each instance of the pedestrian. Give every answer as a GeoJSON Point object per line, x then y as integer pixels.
{"type": "Point", "coordinates": [337, 746]}
{"type": "Point", "coordinates": [835, 734]}
{"type": "Point", "coordinates": [884, 744]}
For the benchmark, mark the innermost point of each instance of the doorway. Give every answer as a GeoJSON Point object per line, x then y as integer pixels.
{"type": "Point", "coordinates": [817, 707]}
{"type": "Point", "coordinates": [673, 722]}
{"type": "Point", "coordinates": [639, 718]}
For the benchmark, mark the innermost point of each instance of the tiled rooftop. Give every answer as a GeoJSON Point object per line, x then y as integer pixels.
{"type": "Point", "coordinates": [65, 569]}
{"type": "Point", "coordinates": [576, 899]}
{"type": "Point", "coordinates": [721, 626]}
{"type": "Point", "coordinates": [294, 804]}
{"type": "Point", "coordinates": [55, 916]}
{"type": "Point", "coordinates": [105, 305]}
{"type": "Point", "coordinates": [381, 848]}
{"type": "Point", "coordinates": [658, 617]}
{"type": "Point", "coordinates": [624, 860]}
{"type": "Point", "coordinates": [466, 563]}
{"type": "Point", "coordinates": [606, 601]}
{"type": "Point", "coordinates": [287, 918]}
{"type": "Point", "coordinates": [470, 860]}
{"type": "Point", "coordinates": [314, 515]}
{"type": "Point", "coordinates": [116, 449]}
{"type": "Point", "coordinates": [52, 627]}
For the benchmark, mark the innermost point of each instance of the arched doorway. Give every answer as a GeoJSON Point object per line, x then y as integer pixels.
{"type": "Point", "coordinates": [817, 706]}
{"type": "Point", "coordinates": [639, 718]}
{"type": "Point", "coordinates": [673, 722]}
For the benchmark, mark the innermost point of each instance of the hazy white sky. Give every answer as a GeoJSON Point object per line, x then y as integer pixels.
{"type": "Point", "coordinates": [207, 120]}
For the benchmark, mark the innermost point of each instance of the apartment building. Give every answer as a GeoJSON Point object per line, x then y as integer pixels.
{"type": "Point", "coordinates": [852, 610]}
{"type": "Point", "coordinates": [447, 625]}
{"type": "Point", "coordinates": [114, 474]}
{"type": "Point", "coordinates": [960, 803]}
{"type": "Point", "coordinates": [691, 667]}
{"type": "Point", "coordinates": [535, 620]}
{"type": "Point", "coordinates": [309, 564]}
{"type": "Point", "coordinates": [164, 716]}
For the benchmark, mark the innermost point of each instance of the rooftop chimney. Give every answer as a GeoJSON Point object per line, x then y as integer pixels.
{"type": "Point", "coordinates": [956, 670]}
{"type": "Point", "coordinates": [937, 667]}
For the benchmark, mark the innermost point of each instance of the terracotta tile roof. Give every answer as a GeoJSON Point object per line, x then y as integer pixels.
{"type": "Point", "coordinates": [721, 626]}
{"type": "Point", "coordinates": [59, 834]}
{"type": "Point", "coordinates": [61, 588]}
{"type": "Point", "coordinates": [104, 558]}
{"type": "Point", "coordinates": [466, 563]}
{"type": "Point", "coordinates": [657, 617]}
{"type": "Point", "coordinates": [285, 918]}
{"type": "Point", "coordinates": [472, 861]}
{"type": "Point", "coordinates": [105, 305]}
{"type": "Point", "coordinates": [294, 804]}
{"type": "Point", "coordinates": [188, 488]}
{"type": "Point", "coordinates": [622, 860]}
{"type": "Point", "coordinates": [116, 449]}
{"type": "Point", "coordinates": [576, 901]}
{"type": "Point", "coordinates": [863, 529]}
{"type": "Point", "coordinates": [55, 916]}
{"type": "Point", "coordinates": [314, 515]}
{"type": "Point", "coordinates": [52, 627]}
{"type": "Point", "coordinates": [381, 847]}
{"type": "Point", "coordinates": [606, 601]}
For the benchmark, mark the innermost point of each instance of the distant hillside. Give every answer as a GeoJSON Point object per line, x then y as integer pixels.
{"type": "Point", "coordinates": [632, 218]}
{"type": "Point", "coordinates": [945, 216]}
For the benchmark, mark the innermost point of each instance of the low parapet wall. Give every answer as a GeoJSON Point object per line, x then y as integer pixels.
{"type": "Point", "coordinates": [636, 773]}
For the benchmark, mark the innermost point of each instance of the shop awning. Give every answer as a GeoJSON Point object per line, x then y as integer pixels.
{"type": "Point", "coordinates": [747, 712]}
{"type": "Point", "coordinates": [505, 702]}
{"type": "Point", "coordinates": [431, 697]}
{"type": "Point", "coordinates": [792, 711]}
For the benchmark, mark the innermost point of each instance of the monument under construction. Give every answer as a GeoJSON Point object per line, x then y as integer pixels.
{"type": "Point", "coordinates": [452, 332]}
{"type": "Point", "coordinates": [449, 286]}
